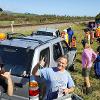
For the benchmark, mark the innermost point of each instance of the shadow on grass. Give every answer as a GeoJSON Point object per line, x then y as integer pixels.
{"type": "Point", "coordinates": [79, 61]}
{"type": "Point", "coordinates": [80, 53]}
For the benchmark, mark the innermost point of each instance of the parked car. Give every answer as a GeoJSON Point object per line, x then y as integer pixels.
{"type": "Point", "coordinates": [47, 32]}
{"type": "Point", "coordinates": [20, 55]}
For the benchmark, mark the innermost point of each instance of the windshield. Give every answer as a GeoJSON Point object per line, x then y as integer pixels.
{"type": "Point", "coordinates": [16, 59]}
{"type": "Point", "coordinates": [44, 33]}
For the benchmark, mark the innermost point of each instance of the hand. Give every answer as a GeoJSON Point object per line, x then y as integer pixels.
{"type": "Point", "coordinates": [66, 91]}
{"type": "Point", "coordinates": [6, 75]}
{"type": "Point", "coordinates": [42, 62]}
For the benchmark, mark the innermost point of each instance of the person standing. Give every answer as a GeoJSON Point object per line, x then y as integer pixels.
{"type": "Point", "coordinates": [97, 31]}
{"type": "Point", "coordinates": [58, 80]}
{"type": "Point", "coordinates": [87, 35]}
{"type": "Point", "coordinates": [70, 34]}
{"type": "Point", "coordinates": [73, 43]}
{"type": "Point", "coordinates": [91, 27]}
{"type": "Point", "coordinates": [66, 35]}
{"type": "Point", "coordinates": [97, 64]}
{"type": "Point", "coordinates": [88, 56]}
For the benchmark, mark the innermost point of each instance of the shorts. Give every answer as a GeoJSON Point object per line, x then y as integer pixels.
{"type": "Point", "coordinates": [85, 72]}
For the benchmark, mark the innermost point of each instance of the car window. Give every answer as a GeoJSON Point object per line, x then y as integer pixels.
{"type": "Point", "coordinates": [44, 33]}
{"type": "Point", "coordinates": [46, 55]}
{"type": "Point", "coordinates": [56, 51]}
{"type": "Point", "coordinates": [16, 59]}
{"type": "Point", "coordinates": [65, 46]}
{"type": "Point", "coordinates": [57, 33]}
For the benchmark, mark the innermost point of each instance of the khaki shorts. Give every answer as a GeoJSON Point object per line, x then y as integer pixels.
{"type": "Point", "coordinates": [85, 72]}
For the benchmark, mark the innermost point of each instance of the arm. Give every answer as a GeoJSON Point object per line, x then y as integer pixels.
{"type": "Point", "coordinates": [7, 76]}
{"type": "Point", "coordinates": [86, 60]}
{"type": "Point", "coordinates": [94, 55]}
{"type": "Point", "coordinates": [35, 69]}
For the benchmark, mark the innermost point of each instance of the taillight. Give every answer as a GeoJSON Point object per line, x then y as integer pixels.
{"type": "Point", "coordinates": [33, 89]}
{"type": "Point", "coordinates": [33, 92]}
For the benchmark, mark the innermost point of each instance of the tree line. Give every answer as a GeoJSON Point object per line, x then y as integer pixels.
{"type": "Point", "coordinates": [97, 18]}
{"type": "Point", "coordinates": [40, 19]}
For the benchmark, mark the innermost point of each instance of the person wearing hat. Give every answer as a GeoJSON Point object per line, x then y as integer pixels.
{"type": "Point", "coordinates": [70, 34]}
{"type": "Point", "coordinates": [66, 35]}
{"type": "Point", "coordinates": [6, 84]}
{"type": "Point", "coordinates": [97, 64]}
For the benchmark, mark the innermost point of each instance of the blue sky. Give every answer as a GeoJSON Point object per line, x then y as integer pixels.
{"type": "Point", "coordinates": [57, 7]}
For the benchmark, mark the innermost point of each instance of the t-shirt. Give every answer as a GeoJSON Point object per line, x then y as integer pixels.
{"type": "Point", "coordinates": [70, 34]}
{"type": "Point", "coordinates": [55, 80]}
{"type": "Point", "coordinates": [87, 56]}
{"type": "Point", "coordinates": [66, 37]}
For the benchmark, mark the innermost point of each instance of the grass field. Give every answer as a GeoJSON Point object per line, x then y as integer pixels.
{"type": "Point", "coordinates": [78, 29]}
{"type": "Point", "coordinates": [77, 74]}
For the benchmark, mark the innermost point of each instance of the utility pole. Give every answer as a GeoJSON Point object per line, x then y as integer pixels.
{"type": "Point", "coordinates": [12, 28]}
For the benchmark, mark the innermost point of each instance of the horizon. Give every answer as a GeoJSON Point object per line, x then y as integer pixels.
{"type": "Point", "coordinates": [53, 7]}
{"type": "Point", "coordinates": [42, 14]}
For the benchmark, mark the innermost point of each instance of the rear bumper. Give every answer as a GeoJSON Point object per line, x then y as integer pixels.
{"type": "Point", "coordinates": [4, 96]}
{"type": "Point", "coordinates": [70, 97]}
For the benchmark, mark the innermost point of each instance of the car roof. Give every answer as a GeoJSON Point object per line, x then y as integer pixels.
{"type": "Point", "coordinates": [48, 29]}
{"type": "Point", "coordinates": [29, 41]}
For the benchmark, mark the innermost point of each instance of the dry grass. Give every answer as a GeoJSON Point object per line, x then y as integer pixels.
{"type": "Point", "coordinates": [77, 74]}
{"type": "Point", "coordinates": [78, 29]}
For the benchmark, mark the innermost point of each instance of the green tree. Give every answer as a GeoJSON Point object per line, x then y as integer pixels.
{"type": "Point", "coordinates": [97, 18]}
{"type": "Point", "coordinates": [1, 9]}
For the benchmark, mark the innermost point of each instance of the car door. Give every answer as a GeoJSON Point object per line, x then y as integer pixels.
{"type": "Point", "coordinates": [44, 53]}
{"type": "Point", "coordinates": [71, 54]}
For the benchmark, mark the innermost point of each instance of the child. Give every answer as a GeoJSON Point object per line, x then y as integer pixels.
{"type": "Point", "coordinates": [73, 43]}
{"type": "Point", "coordinates": [64, 35]}
{"type": "Point", "coordinates": [97, 31]}
{"type": "Point", "coordinates": [87, 35]}
{"type": "Point", "coordinates": [97, 64]}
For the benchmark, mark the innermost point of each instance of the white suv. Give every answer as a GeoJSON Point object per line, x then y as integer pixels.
{"type": "Point", "coordinates": [47, 32]}
{"type": "Point", "coordinates": [20, 55]}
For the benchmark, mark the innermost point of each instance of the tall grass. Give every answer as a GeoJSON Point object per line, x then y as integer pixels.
{"type": "Point", "coordinates": [78, 29]}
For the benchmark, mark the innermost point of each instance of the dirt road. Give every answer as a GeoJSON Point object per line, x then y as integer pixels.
{"type": "Point", "coordinates": [25, 28]}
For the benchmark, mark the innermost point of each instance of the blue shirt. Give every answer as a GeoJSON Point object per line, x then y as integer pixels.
{"type": "Point", "coordinates": [97, 65]}
{"type": "Point", "coordinates": [55, 80]}
{"type": "Point", "coordinates": [70, 34]}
